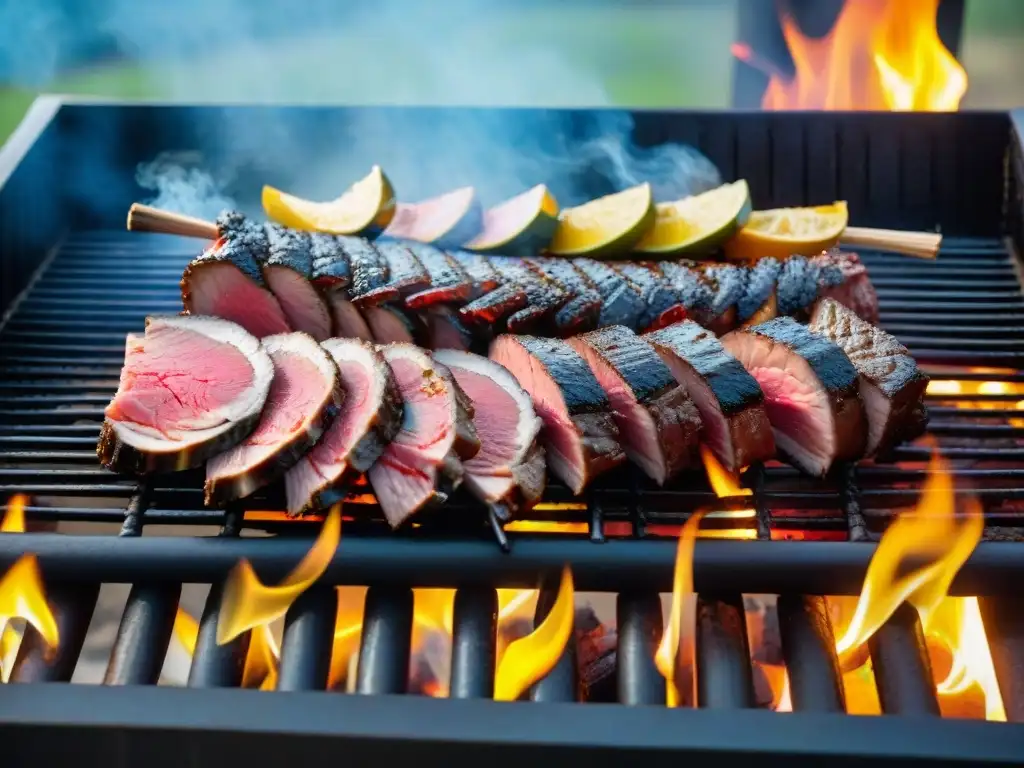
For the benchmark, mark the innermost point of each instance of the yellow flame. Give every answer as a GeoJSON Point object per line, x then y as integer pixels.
{"type": "Point", "coordinates": [530, 658]}
{"type": "Point", "coordinates": [186, 630]}
{"type": "Point", "coordinates": [667, 656]}
{"type": "Point", "coordinates": [723, 482]}
{"type": "Point", "coordinates": [248, 603]}
{"type": "Point", "coordinates": [14, 517]}
{"type": "Point", "coordinates": [260, 670]}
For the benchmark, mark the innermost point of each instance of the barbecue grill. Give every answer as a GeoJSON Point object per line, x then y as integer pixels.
{"type": "Point", "coordinates": [74, 284]}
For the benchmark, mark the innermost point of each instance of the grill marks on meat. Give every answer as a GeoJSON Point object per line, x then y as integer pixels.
{"type": "Point", "coordinates": [845, 279]}
{"type": "Point", "coordinates": [622, 303]}
{"type": "Point", "coordinates": [657, 294]}
{"type": "Point", "coordinates": [288, 271]}
{"type": "Point", "coordinates": [436, 435]}
{"type": "Point", "coordinates": [405, 272]}
{"type": "Point", "coordinates": [508, 472]}
{"type": "Point", "coordinates": [694, 291]}
{"type": "Point", "coordinates": [190, 387]}
{"type": "Point", "coordinates": [581, 312]}
{"type": "Point", "coordinates": [369, 420]}
{"type": "Point", "coordinates": [891, 385]}
{"type": "Point", "coordinates": [811, 391]}
{"type": "Point", "coordinates": [370, 274]}
{"type": "Point", "coordinates": [759, 302]}
{"type": "Point", "coordinates": [734, 421]}
{"type": "Point", "coordinates": [658, 423]}
{"type": "Point", "coordinates": [730, 282]}
{"type": "Point", "coordinates": [447, 282]}
{"type": "Point", "coordinates": [304, 399]}
{"type": "Point", "coordinates": [482, 276]}
{"type": "Point", "coordinates": [543, 295]}
{"type": "Point", "coordinates": [580, 435]}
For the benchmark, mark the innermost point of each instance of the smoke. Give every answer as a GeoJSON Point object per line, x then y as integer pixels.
{"type": "Point", "coordinates": [397, 52]}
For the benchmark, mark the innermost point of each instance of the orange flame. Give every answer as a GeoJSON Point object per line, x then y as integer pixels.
{"type": "Point", "coordinates": [723, 482]}
{"type": "Point", "coordinates": [879, 55]}
{"type": "Point", "coordinates": [248, 603]}
{"type": "Point", "coordinates": [530, 658]}
{"type": "Point", "coordinates": [667, 656]}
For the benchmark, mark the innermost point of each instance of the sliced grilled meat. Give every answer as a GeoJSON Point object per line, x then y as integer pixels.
{"type": "Point", "coordinates": [658, 424]}
{"type": "Point", "coordinates": [445, 329]}
{"type": "Point", "coordinates": [482, 276]}
{"type": "Point", "coordinates": [369, 421]}
{"type": "Point", "coordinates": [580, 435]}
{"type": "Point", "coordinates": [346, 321]}
{"type": "Point", "coordinates": [730, 402]}
{"type": "Point", "coordinates": [405, 272]}
{"type": "Point", "coordinates": [891, 385]}
{"type": "Point", "coordinates": [370, 274]}
{"type": "Point", "coordinates": [389, 325]}
{"type": "Point", "coordinates": [759, 302]}
{"type": "Point", "coordinates": [811, 392]}
{"type": "Point", "coordinates": [843, 277]}
{"type": "Point", "coordinates": [581, 312]}
{"type": "Point", "coordinates": [657, 293]}
{"type": "Point", "coordinates": [330, 269]}
{"type": "Point", "coordinates": [304, 399]}
{"type": "Point", "coordinates": [544, 295]}
{"type": "Point", "coordinates": [448, 281]}
{"type": "Point", "coordinates": [730, 283]}
{"type": "Point", "coordinates": [623, 303]}
{"type": "Point", "coordinates": [797, 286]}
{"type": "Point", "coordinates": [696, 293]}
{"type": "Point", "coordinates": [508, 472]}
{"type": "Point", "coordinates": [225, 281]}
{"type": "Point", "coordinates": [288, 269]}
{"type": "Point", "coordinates": [190, 387]}
{"type": "Point", "coordinates": [492, 308]}
{"type": "Point", "coordinates": [436, 435]}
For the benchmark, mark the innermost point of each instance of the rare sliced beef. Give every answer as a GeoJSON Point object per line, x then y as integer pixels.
{"type": "Point", "coordinates": [445, 329]}
{"type": "Point", "coordinates": [811, 392]}
{"type": "Point", "coordinates": [659, 427]}
{"type": "Point", "coordinates": [288, 269]}
{"type": "Point", "coordinates": [844, 277]}
{"type": "Point", "coordinates": [622, 303]}
{"type": "Point", "coordinates": [544, 296]}
{"type": "Point", "coordinates": [225, 281]}
{"type": "Point", "coordinates": [190, 388]}
{"type": "Point", "coordinates": [581, 312]}
{"type": "Point", "coordinates": [508, 472]}
{"type": "Point", "coordinates": [448, 283]}
{"type": "Point", "coordinates": [482, 276]}
{"type": "Point", "coordinates": [330, 268]}
{"type": "Point", "coordinates": [423, 462]}
{"type": "Point", "coordinates": [389, 325]}
{"type": "Point", "coordinates": [405, 272]}
{"type": "Point", "coordinates": [370, 274]}
{"type": "Point", "coordinates": [730, 402]}
{"type": "Point", "coordinates": [304, 399]}
{"type": "Point", "coordinates": [370, 419]}
{"type": "Point", "coordinates": [580, 435]}
{"type": "Point", "coordinates": [891, 385]}
{"type": "Point", "coordinates": [347, 322]}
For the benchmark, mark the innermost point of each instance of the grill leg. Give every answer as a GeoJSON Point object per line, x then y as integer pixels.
{"type": "Point", "coordinates": [387, 636]}
{"type": "Point", "coordinates": [1004, 628]}
{"type": "Point", "coordinates": [143, 635]}
{"type": "Point", "coordinates": [560, 684]}
{"type": "Point", "coordinates": [640, 626]}
{"type": "Point", "coordinates": [724, 677]}
{"type": "Point", "coordinates": [307, 642]}
{"type": "Point", "coordinates": [216, 666]}
{"type": "Point", "coordinates": [809, 648]}
{"type": "Point", "coordinates": [72, 606]}
{"type": "Point", "coordinates": [473, 644]}
{"type": "Point", "coordinates": [903, 671]}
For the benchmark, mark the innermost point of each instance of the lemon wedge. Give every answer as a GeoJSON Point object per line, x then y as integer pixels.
{"type": "Point", "coordinates": [368, 205]}
{"type": "Point", "coordinates": [521, 226]}
{"type": "Point", "coordinates": [699, 224]}
{"type": "Point", "coordinates": [608, 226]}
{"type": "Point", "coordinates": [782, 232]}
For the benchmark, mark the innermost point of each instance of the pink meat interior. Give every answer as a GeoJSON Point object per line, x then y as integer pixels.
{"type": "Point", "coordinates": [428, 428]}
{"type": "Point", "coordinates": [348, 323]}
{"type": "Point", "coordinates": [300, 301]}
{"type": "Point", "coordinates": [221, 290]}
{"type": "Point", "coordinates": [496, 420]}
{"type": "Point", "coordinates": [714, 428]}
{"type": "Point", "coordinates": [176, 379]}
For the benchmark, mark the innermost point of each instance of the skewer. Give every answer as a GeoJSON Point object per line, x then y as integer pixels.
{"type": "Point", "coordinates": [145, 218]}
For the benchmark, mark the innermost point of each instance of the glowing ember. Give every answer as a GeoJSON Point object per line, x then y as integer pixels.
{"type": "Point", "coordinates": [667, 656]}
{"type": "Point", "coordinates": [530, 658]}
{"type": "Point", "coordinates": [879, 55]}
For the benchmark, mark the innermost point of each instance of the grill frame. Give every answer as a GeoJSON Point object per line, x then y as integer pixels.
{"type": "Point", "coordinates": [751, 145]}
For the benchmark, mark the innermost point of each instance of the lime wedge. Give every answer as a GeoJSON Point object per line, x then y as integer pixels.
{"type": "Point", "coordinates": [782, 232]}
{"type": "Point", "coordinates": [697, 225]}
{"type": "Point", "coordinates": [368, 205]}
{"type": "Point", "coordinates": [447, 220]}
{"type": "Point", "coordinates": [608, 226]}
{"type": "Point", "coordinates": [521, 226]}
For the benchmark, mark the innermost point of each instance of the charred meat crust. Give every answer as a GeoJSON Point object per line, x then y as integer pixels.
{"type": "Point", "coordinates": [448, 282]}
{"type": "Point", "coordinates": [369, 286]}
{"type": "Point", "coordinates": [330, 267]}
{"type": "Point", "coordinates": [405, 272]}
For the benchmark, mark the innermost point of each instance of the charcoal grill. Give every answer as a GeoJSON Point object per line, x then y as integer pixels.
{"type": "Point", "coordinates": [74, 284]}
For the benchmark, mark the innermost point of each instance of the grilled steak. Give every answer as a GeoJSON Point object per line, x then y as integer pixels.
{"type": "Point", "coordinates": [330, 268]}
{"type": "Point", "coordinates": [448, 282]}
{"type": "Point", "coordinates": [370, 419]}
{"type": "Point", "coordinates": [581, 312]}
{"type": "Point", "coordinates": [405, 272]}
{"type": "Point", "coordinates": [482, 276]}
{"type": "Point", "coordinates": [389, 324]}
{"type": "Point", "coordinates": [658, 424]}
{"type": "Point", "coordinates": [730, 283]}
{"type": "Point", "coordinates": [759, 302]}
{"type": "Point", "coordinates": [696, 293]}
{"type": "Point", "coordinates": [580, 435]}
{"type": "Point", "coordinates": [810, 389]}
{"type": "Point", "coordinates": [225, 281]}
{"type": "Point", "coordinates": [622, 302]}
{"type": "Point", "coordinates": [445, 329]}
{"type": "Point", "coordinates": [288, 269]}
{"type": "Point", "coordinates": [845, 279]}
{"type": "Point", "coordinates": [508, 472]}
{"type": "Point", "coordinates": [370, 285]}
{"type": "Point", "coordinates": [492, 308]}
{"type": "Point", "coordinates": [797, 286]}
{"type": "Point", "coordinates": [891, 385]}
{"type": "Point", "coordinates": [346, 321]}
{"type": "Point", "coordinates": [436, 435]}
{"type": "Point", "coordinates": [658, 294]}
{"type": "Point", "coordinates": [304, 399]}
{"type": "Point", "coordinates": [544, 296]}
{"type": "Point", "coordinates": [730, 402]}
{"type": "Point", "coordinates": [190, 387]}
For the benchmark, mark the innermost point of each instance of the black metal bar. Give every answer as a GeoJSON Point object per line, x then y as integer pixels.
{"type": "Point", "coordinates": [724, 677]}
{"type": "Point", "coordinates": [143, 635]}
{"type": "Point", "coordinates": [385, 643]}
{"type": "Point", "coordinates": [560, 684]}
{"type": "Point", "coordinates": [809, 648]}
{"type": "Point", "coordinates": [1004, 628]}
{"type": "Point", "coordinates": [903, 671]}
{"type": "Point", "coordinates": [72, 605]}
{"type": "Point", "coordinates": [769, 567]}
{"type": "Point", "coordinates": [639, 626]}
{"type": "Point", "coordinates": [474, 637]}
{"type": "Point", "coordinates": [308, 640]}
{"type": "Point", "coordinates": [213, 665]}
